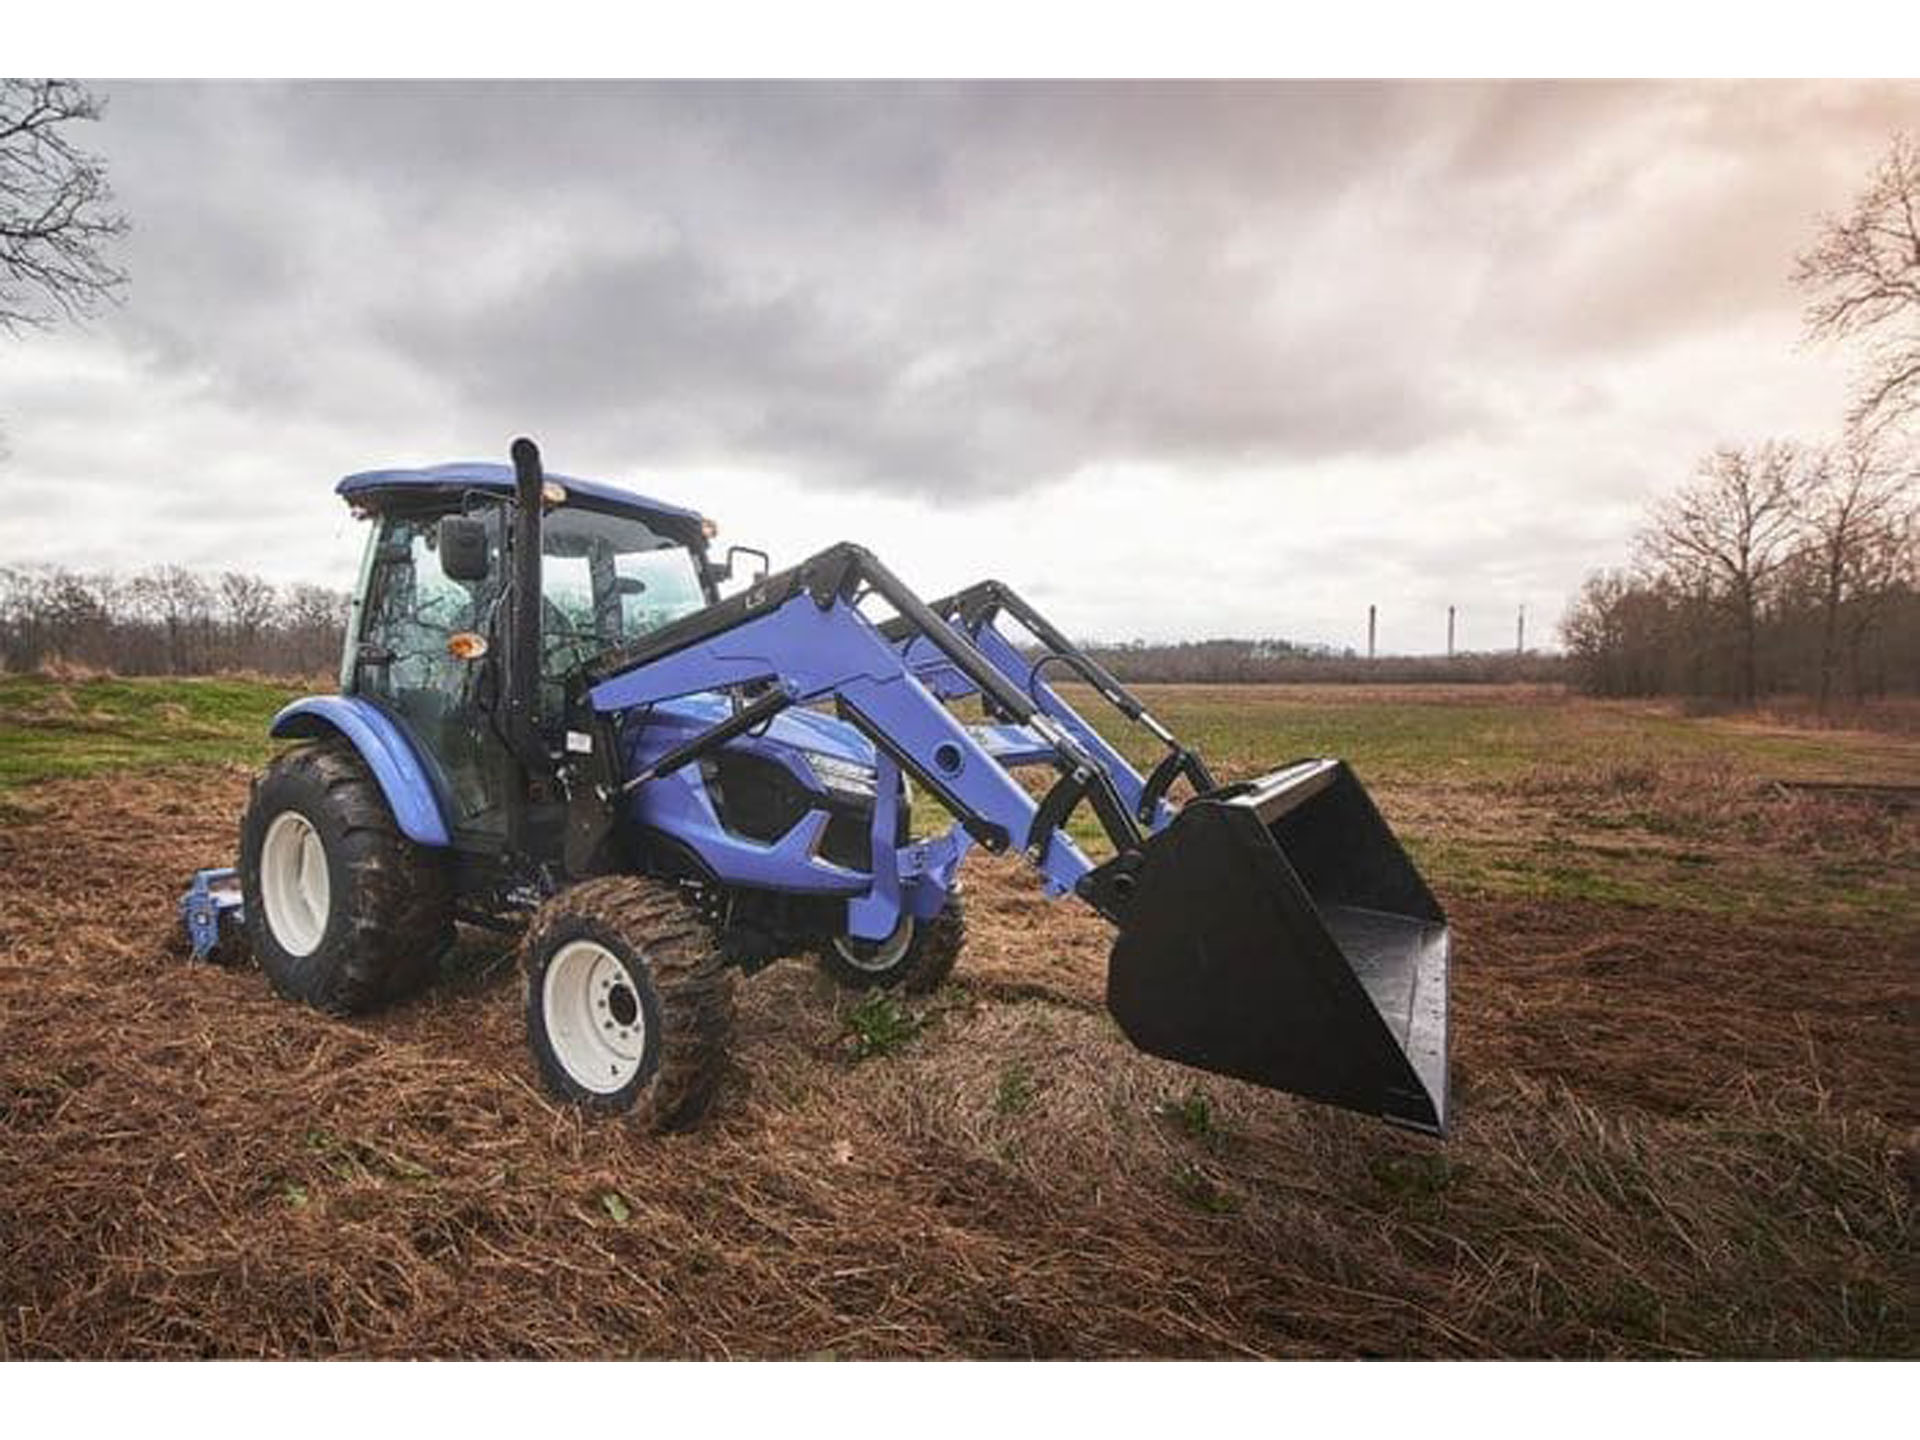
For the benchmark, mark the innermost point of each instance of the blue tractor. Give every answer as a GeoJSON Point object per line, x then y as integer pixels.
{"type": "Point", "coordinates": [550, 718]}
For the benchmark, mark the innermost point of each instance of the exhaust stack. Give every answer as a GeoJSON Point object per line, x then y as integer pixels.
{"type": "Point", "coordinates": [523, 612]}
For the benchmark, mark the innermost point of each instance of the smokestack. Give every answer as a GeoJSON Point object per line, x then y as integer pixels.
{"type": "Point", "coordinates": [1371, 618]}
{"type": "Point", "coordinates": [521, 677]}
{"type": "Point", "coordinates": [1520, 633]}
{"type": "Point", "coordinates": [1449, 632]}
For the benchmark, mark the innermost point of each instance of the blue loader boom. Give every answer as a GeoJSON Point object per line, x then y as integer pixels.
{"type": "Point", "coordinates": [548, 713]}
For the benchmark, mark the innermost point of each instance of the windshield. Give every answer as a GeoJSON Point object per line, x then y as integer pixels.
{"type": "Point", "coordinates": [609, 579]}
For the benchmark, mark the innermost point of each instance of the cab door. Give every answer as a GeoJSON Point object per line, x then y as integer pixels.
{"type": "Point", "coordinates": [405, 663]}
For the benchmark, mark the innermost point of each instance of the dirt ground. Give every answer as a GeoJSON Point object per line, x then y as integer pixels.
{"type": "Point", "coordinates": [1677, 1135]}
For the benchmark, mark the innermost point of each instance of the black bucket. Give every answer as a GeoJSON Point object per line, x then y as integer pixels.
{"type": "Point", "coordinates": [1278, 933]}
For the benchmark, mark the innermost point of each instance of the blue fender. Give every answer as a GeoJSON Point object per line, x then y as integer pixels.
{"type": "Point", "coordinates": [388, 753]}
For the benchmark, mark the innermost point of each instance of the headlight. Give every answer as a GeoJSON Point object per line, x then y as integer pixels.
{"type": "Point", "coordinates": [842, 777]}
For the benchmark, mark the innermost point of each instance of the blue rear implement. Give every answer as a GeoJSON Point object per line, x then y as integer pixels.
{"type": "Point", "coordinates": [549, 715]}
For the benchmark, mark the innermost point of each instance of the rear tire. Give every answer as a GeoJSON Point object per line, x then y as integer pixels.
{"type": "Point", "coordinates": [629, 1001]}
{"type": "Point", "coordinates": [915, 959]}
{"type": "Point", "coordinates": [342, 910]}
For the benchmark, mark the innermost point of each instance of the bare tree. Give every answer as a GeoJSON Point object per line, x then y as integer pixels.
{"type": "Point", "coordinates": [55, 207]}
{"type": "Point", "coordinates": [165, 621]}
{"type": "Point", "coordinates": [247, 604]}
{"type": "Point", "coordinates": [1857, 502]}
{"type": "Point", "coordinates": [1864, 274]}
{"type": "Point", "coordinates": [181, 603]}
{"type": "Point", "coordinates": [1596, 634]}
{"type": "Point", "coordinates": [312, 618]}
{"type": "Point", "coordinates": [1727, 533]}
{"type": "Point", "coordinates": [1886, 567]}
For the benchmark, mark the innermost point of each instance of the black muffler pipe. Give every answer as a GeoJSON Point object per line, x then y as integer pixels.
{"type": "Point", "coordinates": [523, 613]}
{"type": "Point", "coordinates": [522, 662]}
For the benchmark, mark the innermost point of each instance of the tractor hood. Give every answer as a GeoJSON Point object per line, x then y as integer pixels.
{"type": "Point", "coordinates": [796, 728]}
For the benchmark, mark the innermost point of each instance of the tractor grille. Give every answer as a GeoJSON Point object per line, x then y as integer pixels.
{"type": "Point", "coordinates": [848, 840]}
{"type": "Point", "coordinates": [759, 798]}
{"type": "Point", "coordinates": [756, 797]}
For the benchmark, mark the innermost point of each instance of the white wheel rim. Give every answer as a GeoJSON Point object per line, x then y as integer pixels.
{"type": "Point", "coordinates": [875, 958]}
{"type": "Point", "coordinates": [295, 887]}
{"type": "Point", "coordinates": [595, 1021]}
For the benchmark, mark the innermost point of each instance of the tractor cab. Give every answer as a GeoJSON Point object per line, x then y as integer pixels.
{"type": "Point", "coordinates": [427, 624]}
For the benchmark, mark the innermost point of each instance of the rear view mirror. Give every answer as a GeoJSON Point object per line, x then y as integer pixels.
{"type": "Point", "coordinates": [463, 548]}
{"type": "Point", "coordinates": [728, 568]}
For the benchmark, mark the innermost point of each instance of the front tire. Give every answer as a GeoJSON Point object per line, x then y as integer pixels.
{"type": "Point", "coordinates": [343, 911]}
{"type": "Point", "coordinates": [629, 1001]}
{"type": "Point", "coordinates": [916, 958]}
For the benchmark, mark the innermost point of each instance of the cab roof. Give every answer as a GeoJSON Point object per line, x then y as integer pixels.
{"type": "Point", "coordinates": [482, 475]}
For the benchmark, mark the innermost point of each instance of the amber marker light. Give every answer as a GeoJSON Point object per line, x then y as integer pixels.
{"type": "Point", "coordinates": [465, 645]}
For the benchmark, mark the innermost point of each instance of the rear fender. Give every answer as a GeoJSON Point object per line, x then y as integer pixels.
{"type": "Point", "coordinates": [389, 754]}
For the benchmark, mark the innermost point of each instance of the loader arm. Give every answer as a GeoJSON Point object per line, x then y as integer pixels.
{"type": "Point", "coordinates": [975, 611]}
{"type": "Point", "coordinates": [1272, 930]}
{"type": "Point", "coordinates": [801, 633]}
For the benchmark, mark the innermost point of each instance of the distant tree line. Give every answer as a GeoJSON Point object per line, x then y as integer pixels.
{"type": "Point", "coordinates": [166, 621]}
{"type": "Point", "coordinates": [1777, 569]}
{"type": "Point", "coordinates": [1282, 662]}
{"type": "Point", "coordinates": [1782, 566]}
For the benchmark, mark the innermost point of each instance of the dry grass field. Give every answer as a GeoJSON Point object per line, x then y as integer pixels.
{"type": "Point", "coordinates": [1684, 1076]}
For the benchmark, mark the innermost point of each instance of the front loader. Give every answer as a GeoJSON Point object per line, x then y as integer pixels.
{"type": "Point", "coordinates": [548, 715]}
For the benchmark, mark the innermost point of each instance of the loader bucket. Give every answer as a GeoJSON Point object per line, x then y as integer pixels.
{"type": "Point", "coordinates": [1278, 933]}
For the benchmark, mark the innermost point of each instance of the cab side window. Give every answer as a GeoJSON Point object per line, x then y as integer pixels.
{"type": "Point", "coordinates": [413, 611]}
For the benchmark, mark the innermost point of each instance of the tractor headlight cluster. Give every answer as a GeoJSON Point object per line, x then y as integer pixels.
{"type": "Point", "coordinates": [843, 777]}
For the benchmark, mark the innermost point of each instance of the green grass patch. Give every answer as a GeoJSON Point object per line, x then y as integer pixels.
{"type": "Point", "coordinates": [1016, 1091]}
{"type": "Point", "coordinates": [1191, 1113]}
{"type": "Point", "coordinates": [1502, 793]}
{"type": "Point", "coordinates": [1200, 1190]}
{"type": "Point", "coordinates": [57, 729]}
{"type": "Point", "coordinates": [1529, 794]}
{"type": "Point", "coordinates": [879, 1025]}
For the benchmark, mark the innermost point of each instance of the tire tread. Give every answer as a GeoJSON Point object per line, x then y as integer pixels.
{"type": "Point", "coordinates": [691, 979]}
{"type": "Point", "coordinates": [399, 897]}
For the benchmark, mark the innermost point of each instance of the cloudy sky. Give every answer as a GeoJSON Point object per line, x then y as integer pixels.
{"type": "Point", "coordinates": [1178, 360]}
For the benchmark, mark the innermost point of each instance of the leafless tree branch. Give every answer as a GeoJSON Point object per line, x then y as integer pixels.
{"type": "Point", "coordinates": [1863, 274]}
{"type": "Point", "coordinates": [56, 213]}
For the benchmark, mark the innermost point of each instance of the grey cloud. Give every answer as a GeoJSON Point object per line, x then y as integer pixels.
{"type": "Point", "coordinates": [952, 289]}
{"type": "Point", "coordinates": [958, 293]}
